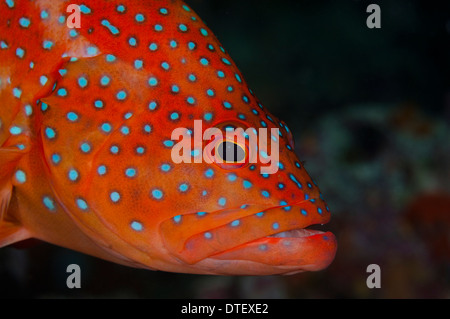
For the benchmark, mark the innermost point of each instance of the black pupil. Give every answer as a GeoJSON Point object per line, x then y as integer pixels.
{"type": "Point", "coordinates": [231, 152]}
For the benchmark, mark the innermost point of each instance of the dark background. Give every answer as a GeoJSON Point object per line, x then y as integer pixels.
{"type": "Point", "coordinates": [370, 112]}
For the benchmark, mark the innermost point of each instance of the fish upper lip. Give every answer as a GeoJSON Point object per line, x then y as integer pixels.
{"type": "Point", "coordinates": [323, 219]}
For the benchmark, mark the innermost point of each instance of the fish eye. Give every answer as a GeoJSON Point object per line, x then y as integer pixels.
{"type": "Point", "coordinates": [230, 152]}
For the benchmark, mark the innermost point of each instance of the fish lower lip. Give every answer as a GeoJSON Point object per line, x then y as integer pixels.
{"type": "Point", "coordinates": [287, 252]}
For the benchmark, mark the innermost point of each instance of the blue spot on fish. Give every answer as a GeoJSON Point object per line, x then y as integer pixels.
{"type": "Point", "coordinates": [48, 203]}
{"type": "Point", "coordinates": [82, 204]}
{"type": "Point", "coordinates": [137, 226]}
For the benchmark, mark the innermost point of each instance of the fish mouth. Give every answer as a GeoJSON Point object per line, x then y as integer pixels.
{"type": "Point", "coordinates": [253, 240]}
{"type": "Point", "coordinates": [286, 253]}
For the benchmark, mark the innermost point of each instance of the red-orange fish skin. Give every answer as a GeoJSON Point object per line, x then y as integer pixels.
{"type": "Point", "coordinates": [86, 123]}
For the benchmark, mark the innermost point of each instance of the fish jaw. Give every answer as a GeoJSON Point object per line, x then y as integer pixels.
{"type": "Point", "coordinates": [312, 251]}
{"type": "Point", "coordinates": [250, 241]}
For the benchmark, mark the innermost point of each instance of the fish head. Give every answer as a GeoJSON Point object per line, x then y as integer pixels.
{"type": "Point", "coordinates": [159, 151]}
{"type": "Point", "coordinates": [253, 197]}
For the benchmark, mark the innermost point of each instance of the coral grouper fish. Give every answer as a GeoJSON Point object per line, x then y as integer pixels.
{"type": "Point", "coordinates": [90, 94]}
